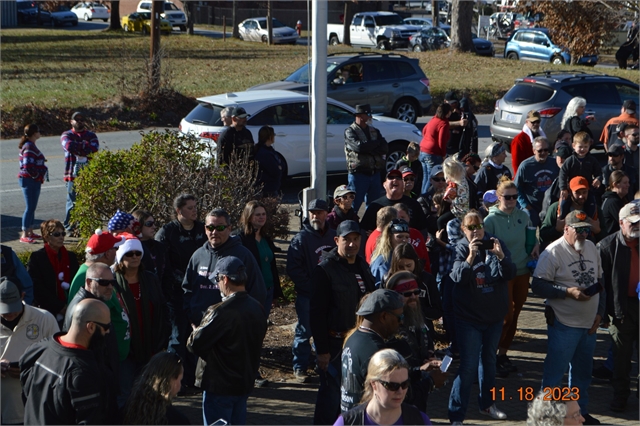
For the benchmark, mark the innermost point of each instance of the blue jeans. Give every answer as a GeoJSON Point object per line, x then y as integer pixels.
{"type": "Point", "coordinates": [367, 187]}
{"type": "Point", "coordinates": [71, 202]}
{"type": "Point", "coordinates": [478, 345]}
{"type": "Point", "coordinates": [31, 192]}
{"type": "Point", "coordinates": [301, 347]}
{"type": "Point", "coordinates": [233, 409]}
{"type": "Point", "coordinates": [569, 348]}
{"type": "Point", "coordinates": [129, 372]}
{"type": "Point", "coordinates": [428, 161]}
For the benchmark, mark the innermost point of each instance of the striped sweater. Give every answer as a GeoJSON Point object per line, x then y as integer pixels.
{"type": "Point", "coordinates": [32, 162]}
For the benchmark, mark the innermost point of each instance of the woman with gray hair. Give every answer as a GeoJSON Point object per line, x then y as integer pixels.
{"type": "Point", "coordinates": [384, 390]}
{"type": "Point", "coordinates": [571, 120]}
{"type": "Point", "coordinates": [545, 412]}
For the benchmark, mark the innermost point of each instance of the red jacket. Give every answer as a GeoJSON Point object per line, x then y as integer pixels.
{"type": "Point", "coordinates": [521, 149]}
{"type": "Point", "coordinates": [417, 241]}
{"type": "Point", "coordinates": [435, 136]}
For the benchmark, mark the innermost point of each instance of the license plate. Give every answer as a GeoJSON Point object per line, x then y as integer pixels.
{"type": "Point", "coordinates": [510, 117]}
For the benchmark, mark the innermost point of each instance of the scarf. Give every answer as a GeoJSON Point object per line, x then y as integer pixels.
{"type": "Point", "coordinates": [60, 263]}
{"type": "Point", "coordinates": [529, 133]}
{"type": "Point", "coordinates": [140, 352]}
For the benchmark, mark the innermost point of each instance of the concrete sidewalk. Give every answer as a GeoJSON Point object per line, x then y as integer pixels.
{"type": "Point", "coordinates": [292, 403]}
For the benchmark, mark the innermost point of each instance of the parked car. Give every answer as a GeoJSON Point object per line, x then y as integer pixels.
{"type": "Point", "coordinates": [62, 15]}
{"type": "Point", "coordinates": [255, 29]}
{"type": "Point", "coordinates": [427, 22]}
{"type": "Point", "coordinates": [27, 12]}
{"type": "Point", "coordinates": [392, 84]}
{"type": "Point", "coordinates": [141, 21]}
{"type": "Point", "coordinates": [289, 115]}
{"type": "Point", "coordinates": [429, 38]}
{"type": "Point", "coordinates": [481, 46]}
{"type": "Point", "coordinates": [172, 13]}
{"type": "Point", "coordinates": [382, 30]}
{"type": "Point", "coordinates": [535, 44]}
{"type": "Point", "coordinates": [89, 11]}
{"type": "Point", "coordinates": [549, 92]}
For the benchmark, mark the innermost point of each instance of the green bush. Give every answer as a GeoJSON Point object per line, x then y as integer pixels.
{"type": "Point", "coordinates": [154, 171]}
{"type": "Point", "coordinates": [78, 249]}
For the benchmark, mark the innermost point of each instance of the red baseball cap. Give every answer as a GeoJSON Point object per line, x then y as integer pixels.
{"type": "Point", "coordinates": [101, 241]}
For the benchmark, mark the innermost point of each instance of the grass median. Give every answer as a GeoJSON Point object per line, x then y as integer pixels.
{"type": "Point", "coordinates": [60, 70]}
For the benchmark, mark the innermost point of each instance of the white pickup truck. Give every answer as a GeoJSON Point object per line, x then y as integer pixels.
{"type": "Point", "coordinates": [384, 30]}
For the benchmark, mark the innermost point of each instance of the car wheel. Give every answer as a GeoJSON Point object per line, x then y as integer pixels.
{"type": "Point", "coordinates": [396, 151]}
{"type": "Point", "coordinates": [183, 28]}
{"type": "Point", "coordinates": [405, 110]}
{"type": "Point", "coordinates": [512, 55]}
{"type": "Point", "coordinates": [265, 39]}
{"type": "Point", "coordinates": [557, 60]}
{"type": "Point", "coordinates": [333, 41]}
{"type": "Point", "coordinates": [86, 17]}
{"type": "Point", "coordinates": [384, 45]}
{"type": "Point", "coordinates": [125, 27]}
{"type": "Point", "coordinates": [417, 48]}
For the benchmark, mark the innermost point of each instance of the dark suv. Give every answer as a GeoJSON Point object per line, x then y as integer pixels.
{"type": "Point", "coordinates": [392, 84]}
{"type": "Point", "coordinates": [549, 92]}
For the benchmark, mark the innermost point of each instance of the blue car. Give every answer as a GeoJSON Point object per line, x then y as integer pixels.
{"type": "Point", "coordinates": [535, 44]}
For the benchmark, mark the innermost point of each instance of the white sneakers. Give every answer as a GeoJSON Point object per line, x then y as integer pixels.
{"type": "Point", "coordinates": [494, 412]}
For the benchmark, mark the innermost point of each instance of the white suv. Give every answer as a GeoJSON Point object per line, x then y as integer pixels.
{"type": "Point", "coordinates": [289, 115]}
{"type": "Point", "coordinates": [172, 13]}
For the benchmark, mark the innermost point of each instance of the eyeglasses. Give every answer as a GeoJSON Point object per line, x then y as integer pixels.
{"type": "Point", "coordinates": [105, 327]}
{"type": "Point", "coordinates": [415, 292]}
{"type": "Point", "coordinates": [477, 227]}
{"type": "Point", "coordinates": [635, 135]}
{"type": "Point", "coordinates": [394, 386]}
{"type": "Point", "coordinates": [149, 223]}
{"type": "Point", "coordinates": [104, 282]}
{"type": "Point", "coordinates": [398, 317]}
{"type": "Point", "coordinates": [437, 179]}
{"type": "Point", "coordinates": [582, 229]}
{"type": "Point", "coordinates": [583, 267]}
{"type": "Point", "coordinates": [510, 197]}
{"type": "Point", "coordinates": [218, 228]}
{"type": "Point", "coordinates": [347, 196]}
{"type": "Point", "coordinates": [58, 234]}
{"type": "Point", "coordinates": [133, 253]}
{"type": "Point", "coordinates": [540, 151]}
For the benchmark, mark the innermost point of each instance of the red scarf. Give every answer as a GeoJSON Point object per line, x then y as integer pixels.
{"type": "Point", "coordinates": [59, 265]}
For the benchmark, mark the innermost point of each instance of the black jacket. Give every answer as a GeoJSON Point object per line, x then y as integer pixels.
{"type": "Point", "coordinates": [611, 205]}
{"type": "Point", "coordinates": [575, 124]}
{"type": "Point", "coordinates": [270, 169]}
{"type": "Point", "coordinates": [233, 141]}
{"type": "Point", "coordinates": [365, 149]}
{"type": "Point", "coordinates": [587, 167]}
{"type": "Point", "coordinates": [229, 340]}
{"type": "Point", "coordinates": [154, 257]}
{"type": "Point", "coordinates": [156, 327]}
{"type": "Point", "coordinates": [488, 176]}
{"type": "Point", "coordinates": [67, 386]}
{"type": "Point", "coordinates": [249, 242]}
{"type": "Point", "coordinates": [111, 355]}
{"type": "Point", "coordinates": [616, 259]}
{"type": "Point", "coordinates": [45, 280]}
{"type": "Point", "coordinates": [628, 169]}
{"type": "Point", "coordinates": [410, 415]}
{"type": "Point", "coordinates": [336, 293]}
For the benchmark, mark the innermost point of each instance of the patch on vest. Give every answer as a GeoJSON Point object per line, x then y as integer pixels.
{"type": "Point", "coordinates": [33, 331]}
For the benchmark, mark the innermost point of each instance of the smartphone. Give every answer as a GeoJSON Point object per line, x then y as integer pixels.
{"type": "Point", "coordinates": [592, 290]}
{"type": "Point", "coordinates": [446, 362]}
{"type": "Point", "coordinates": [486, 245]}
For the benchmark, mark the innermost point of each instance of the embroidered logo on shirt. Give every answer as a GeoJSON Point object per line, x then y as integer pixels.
{"type": "Point", "coordinates": [33, 331]}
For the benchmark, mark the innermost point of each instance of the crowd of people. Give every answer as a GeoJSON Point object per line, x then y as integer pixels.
{"type": "Point", "coordinates": [183, 308]}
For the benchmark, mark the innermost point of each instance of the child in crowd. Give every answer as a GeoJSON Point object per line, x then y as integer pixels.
{"type": "Point", "coordinates": [411, 160]}
{"type": "Point", "coordinates": [580, 163]}
{"type": "Point", "coordinates": [457, 191]}
{"type": "Point", "coordinates": [489, 199]}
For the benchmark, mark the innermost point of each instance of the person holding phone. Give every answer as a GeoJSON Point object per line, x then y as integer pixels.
{"type": "Point", "coordinates": [480, 275]}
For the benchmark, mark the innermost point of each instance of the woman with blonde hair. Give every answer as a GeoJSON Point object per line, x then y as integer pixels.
{"type": "Point", "coordinates": [395, 233]}
{"type": "Point", "coordinates": [571, 120]}
{"type": "Point", "coordinates": [152, 393]}
{"type": "Point", "coordinates": [385, 389]}
{"type": "Point", "coordinates": [507, 222]}
{"type": "Point", "coordinates": [457, 191]}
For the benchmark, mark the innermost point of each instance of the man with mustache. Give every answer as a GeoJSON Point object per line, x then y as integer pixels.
{"type": "Point", "coordinates": [619, 254]}
{"type": "Point", "coordinates": [304, 254]}
{"type": "Point", "coordinates": [566, 271]}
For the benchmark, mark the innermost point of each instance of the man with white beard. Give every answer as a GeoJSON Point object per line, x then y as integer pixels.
{"type": "Point", "coordinates": [619, 254]}
{"type": "Point", "coordinates": [569, 275]}
{"type": "Point", "coordinates": [304, 254]}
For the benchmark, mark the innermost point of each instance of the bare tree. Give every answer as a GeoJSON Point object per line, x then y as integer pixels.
{"type": "Point", "coordinates": [114, 20]}
{"type": "Point", "coordinates": [234, 19]}
{"type": "Point", "coordinates": [580, 26]}
{"type": "Point", "coordinates": [188, 12]}
{"type": "Point", "coordinates": [461, 19]}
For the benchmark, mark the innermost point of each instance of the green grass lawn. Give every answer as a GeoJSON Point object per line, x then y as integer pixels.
{"type": "Point", "coordinates": [61, 69]}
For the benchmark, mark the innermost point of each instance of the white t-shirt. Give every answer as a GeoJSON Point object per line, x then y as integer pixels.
{"type": "Point", "coordinates": [560, 264]}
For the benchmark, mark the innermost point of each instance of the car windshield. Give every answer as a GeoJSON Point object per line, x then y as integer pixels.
{"type": "Point", "coordinates": [205, 114]}
{"type": "Point", "coordinates": [276, 23]}
{"type": "Point", "coordinates": [170, 6]}
{"type": "Point", "coordinates": [145, 15]}
{"type": "Point", "coordinates": [527, 94]}
{"type": "Point", "coordinates": [301, 75]}
{"type": "Point", "coordinates": [98, 6]}
{"type": "Point", "coordinates": [388, 20]}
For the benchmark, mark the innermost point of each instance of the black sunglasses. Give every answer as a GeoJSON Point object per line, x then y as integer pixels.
{"type": "Point", "coordinates": [149, 223]}
{"type": "Point", "coordinates": [133, 253]}
{"type": "Point", "coordinates": [58, 234]}
{"type": "Point", "coordinates": [510, 197]}
{"type": "Point", "coordinates": [437, 179]}
{"type": "Point", "coordinates": [104, 282]}
{"type": "Point", "coordinates": [105, 327]}
{"type": "Point", "coordinates": [218, 228]}
{"type": "Point", "coordinates": [393, 386]}
{"type": "Point", "coordinates": [540, 151]}
{"type": "Point", "coordinates": [415, 292]}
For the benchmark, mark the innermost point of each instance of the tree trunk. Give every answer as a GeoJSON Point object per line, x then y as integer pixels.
{"type": "Point", "coordinates": [234, 19]}
{"type": "Point", "coordinates": [347, 17]}
{"type": "Point", "coordinates": [188, 11]}
{"type": "Point", "coordinates": [435, 13]}
{"type": "Point", "coordinates": [461, 20]}
{"type": "Point", "coordinates": [114, 20]}
{"type": "Point", "coordinates": [269, 23]}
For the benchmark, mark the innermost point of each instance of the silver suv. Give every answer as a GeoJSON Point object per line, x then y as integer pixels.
{"type": "Point", "coordinates": [549, 92]}
{"type": "Point", "coordinates": [392, 84]}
